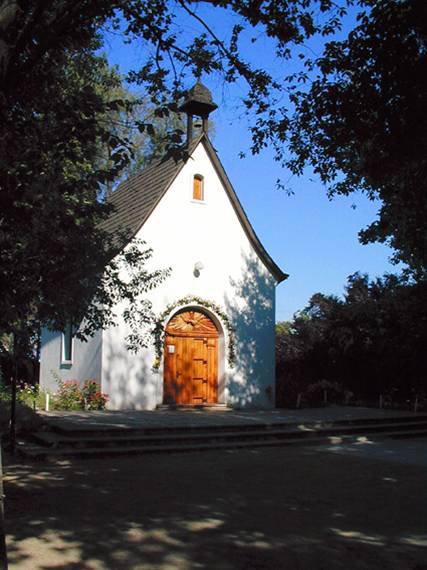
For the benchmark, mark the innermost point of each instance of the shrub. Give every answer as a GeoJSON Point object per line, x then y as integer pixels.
{"type": "Point", "coordinates": [72, 396]}
{"type": "Point", "coordinates": [93, 397]}
{"type": "Point", "coordinates": [69, 396]}
{"type": "Point", "coordinates": [26, 394]}
{"type": "Point", "coordinates": [287, 390]}
{"type": "Point", "coordinates": [5, 394]}
{"type": "Point", "coordinates": [315, 393]}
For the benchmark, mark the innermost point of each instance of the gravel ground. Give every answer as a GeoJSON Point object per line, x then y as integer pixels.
{"type": "Point", "coordinates": [361, 507]}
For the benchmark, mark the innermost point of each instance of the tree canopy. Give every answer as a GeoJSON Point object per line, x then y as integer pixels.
{"type": "Point", "coordinates": [56, 109]}
{"type": "Point", "coordinates": [370, 342]}
{"type": "Point", "coordinates": [56, 262]}
{"type": "Point", "coordinates": [362, 123]}
{"type": "Point", "coordinates": [359, 124]}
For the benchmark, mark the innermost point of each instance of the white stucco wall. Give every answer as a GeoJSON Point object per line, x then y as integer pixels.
{"type": "Point", "coordinates": [86, 363]}
{"type": "Point", "coordinates": [181, 233]}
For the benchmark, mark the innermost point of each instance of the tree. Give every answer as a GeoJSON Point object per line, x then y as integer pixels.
{"type": "Point", "coordinates": [362, 124]}
{"type": "Point", "coordinates": [148, 136]}
{"type": "Point", "coordinates": [51, 245]}
{"type": "Point", "coordinates": [57, 264]}
{"type": "Point", "coordinates": [55, 124]}
{"type": "Point", "coordinates": [370, 342]}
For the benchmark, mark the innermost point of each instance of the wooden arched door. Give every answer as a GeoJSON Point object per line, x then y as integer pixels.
{"type": "Point", "coordinates": [191, 360]}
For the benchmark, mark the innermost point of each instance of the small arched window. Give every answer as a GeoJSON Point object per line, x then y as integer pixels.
{"type": "Point", "coordinates": [198, 189]}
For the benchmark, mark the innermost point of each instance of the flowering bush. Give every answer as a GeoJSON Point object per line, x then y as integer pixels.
{"type": "Point", "coordinates": [73, 396]}
{"type": "Point", "coordinates": [93, 397]}
{"type": "Point", "coordinates": [69, 396]}
{"type": "Point", "coordinates": [26, 393]}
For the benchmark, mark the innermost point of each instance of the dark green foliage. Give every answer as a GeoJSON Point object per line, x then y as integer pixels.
{"type": "Point", "coordinates": [60, 143]}
{"type": "Point", "coordinates": [52, 252]}
{"type": "Point", "coordinates": [362, 125]}
{"type": "Point", "coordinates": [59, 148]}
{"type": "Point", "coordinates": [372, 342]}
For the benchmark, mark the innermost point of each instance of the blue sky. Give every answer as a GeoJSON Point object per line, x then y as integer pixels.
{"type": "Point", "coordinates": [311, 238]}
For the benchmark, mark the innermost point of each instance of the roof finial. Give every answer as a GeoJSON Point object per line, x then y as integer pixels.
{"type": "Point", "coordinates": [199, 103]}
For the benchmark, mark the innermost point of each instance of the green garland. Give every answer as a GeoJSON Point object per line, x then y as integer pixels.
{"type": "Point", "coordinates": [159, 329]}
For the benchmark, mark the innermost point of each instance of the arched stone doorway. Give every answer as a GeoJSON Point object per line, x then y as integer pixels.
{"type": "Point", "coordinates": [191, 359]}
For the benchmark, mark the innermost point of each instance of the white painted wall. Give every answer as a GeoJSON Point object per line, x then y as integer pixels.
{"type": "Point", "coordinates": [181, 233]}
{"type": "Point", "coordinates": [86, 364]}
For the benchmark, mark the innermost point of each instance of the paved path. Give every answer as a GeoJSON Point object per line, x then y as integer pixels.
{"type": "Point", "coordinates": [200, 418]}
{"type": "Point", "coordinates": [361, 507]}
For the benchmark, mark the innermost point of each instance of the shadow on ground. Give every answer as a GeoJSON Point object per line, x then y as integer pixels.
{"type": "Point", "coordinates": [293, 508]}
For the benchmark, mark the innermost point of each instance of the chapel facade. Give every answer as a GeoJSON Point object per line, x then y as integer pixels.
{"type": "Point", "coordinates": [215, 336]}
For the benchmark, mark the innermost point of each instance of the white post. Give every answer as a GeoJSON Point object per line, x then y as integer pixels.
{"type": "Point", "coordinates": [47, 402]}
{"type": "Point", "coordinates": [416, 404]}
{"type": "Point", "coordinates": [325, 397]}
{"type": "Point", "coordinates": [381, 401]}
{"type": "Point", "coordinates": [299, 400]}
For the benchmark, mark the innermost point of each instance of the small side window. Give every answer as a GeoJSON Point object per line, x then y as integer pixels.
{"type": "Point", "coordinates": [67, 345]}
{"type": "Point", "coordinates": [198, 189]}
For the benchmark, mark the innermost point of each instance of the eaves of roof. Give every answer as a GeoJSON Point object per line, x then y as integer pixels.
{"type": "Point", "coordinates": [278, 274]}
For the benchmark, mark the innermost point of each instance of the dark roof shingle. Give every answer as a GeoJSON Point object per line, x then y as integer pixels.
{"type": "Point", "coordinates": [136, 198]}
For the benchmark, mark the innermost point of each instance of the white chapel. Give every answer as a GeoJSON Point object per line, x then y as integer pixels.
{"type": "Point", "coordinates": [217, 307]}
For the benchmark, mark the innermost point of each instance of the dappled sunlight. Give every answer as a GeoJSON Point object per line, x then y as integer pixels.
{"type": "Point", "coordinates": [416, 540]}
{"type": "Point", "coordinates": [359, 536]}
{"type": "Point", "coordinates": [356, 440]}
{"type": "Point", "coordinates": [405, 451]}
{"type": "Point", "coordinates": [279, 508]}
{"type": "Point", "coordinates": [164, 543]}
{"type": "Point", "coordinates": [196, 526]}
{"type": "Point", "coordinates": [251, 310]}
{"type": "Point", "coordinates": [379, 540]}
{"type": "Point", "coordinates": [127, 378]}
{"type": "Point", "coordinates": [303, 427]}
{"type": "Point", "coordinates": [59, 549]}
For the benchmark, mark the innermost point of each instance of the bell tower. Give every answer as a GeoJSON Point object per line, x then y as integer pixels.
{"type": "Point", "coordinates": [199, 103]}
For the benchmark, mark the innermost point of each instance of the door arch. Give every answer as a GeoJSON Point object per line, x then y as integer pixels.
{"type": "Point", "coordinates": [191, 359]}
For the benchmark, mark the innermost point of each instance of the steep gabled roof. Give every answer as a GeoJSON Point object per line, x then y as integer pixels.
{"type": "Point", "coordinates": [135, 199]}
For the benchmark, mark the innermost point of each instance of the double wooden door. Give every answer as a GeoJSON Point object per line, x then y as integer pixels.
{"type": "Point", "coordinates": [191, 360]}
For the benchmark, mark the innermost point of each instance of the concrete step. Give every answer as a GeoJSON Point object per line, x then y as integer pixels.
{"type": "Point", "coordinates": [122, 440]}
{"type": "Point", "coordinates": [65, 428]}
{"type": "Point", "coordinates": [285, 431]}
{"type": "Point", "coordinates": [203, 407]}
{"type": "Point", "coordinates": [35, 451]}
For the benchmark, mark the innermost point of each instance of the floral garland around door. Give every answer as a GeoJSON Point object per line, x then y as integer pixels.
{"type": "Point", "coordinates": [159, 329]}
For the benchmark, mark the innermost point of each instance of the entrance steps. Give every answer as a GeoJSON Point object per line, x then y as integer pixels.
{"type": "Point", "coordinates": [92, 441]}
{"type": "Point", "coordinates": [192, 407]}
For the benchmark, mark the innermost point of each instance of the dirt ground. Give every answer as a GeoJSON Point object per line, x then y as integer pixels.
{"type": "Point", "coordinates": [356, 507]}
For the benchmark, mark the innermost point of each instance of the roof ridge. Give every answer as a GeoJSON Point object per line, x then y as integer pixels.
{"type": "Point", "coordinates": [136, 198]}
{"type": "Point", "coordinates": [155, 163]}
